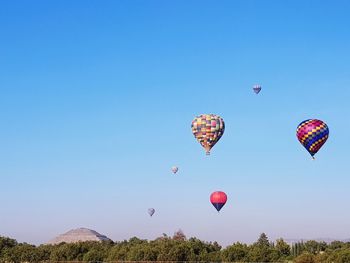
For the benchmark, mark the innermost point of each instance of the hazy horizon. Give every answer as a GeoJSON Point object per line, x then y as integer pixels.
{"type": "Point", "coordinates": [96, 104]}
{"type": "Point", "coordinates": [287, 239]}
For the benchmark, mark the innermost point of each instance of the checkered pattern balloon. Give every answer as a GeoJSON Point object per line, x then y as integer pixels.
{"type": "Point", "coordinates": [208, 129]}
{"type": "Point", "coordinates": [312, 134]}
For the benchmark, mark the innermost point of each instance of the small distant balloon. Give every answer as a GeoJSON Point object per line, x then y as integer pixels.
{"type": "Point", "coordinates": [218, 199]}
{"type": "Point", "coordinates": [312, 134]}
{"type": "Point", "coordinates": [174, 169]}
{"type": "Point", "coordinates": [151, 211]}
{"type": "Point", "coordinates": [257, 89]}
{"type": "Point", "coordinates": [208, 129]}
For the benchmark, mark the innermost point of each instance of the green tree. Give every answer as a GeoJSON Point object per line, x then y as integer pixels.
{"type": "Point", "coordinates": [261, 251]}
{"type": "Point", "coordinates": [137, 252]}
{"type": "Point", "coordinates": [342, 256]}
{"type": "Point", "coordinates": [21, 253]}
{"type": "Point", "coordinates": [179, 252]}
{"type": "Point", "coordinates": [118, 252]}
{"type": "Point", "coordinates": [6, 242]}
{"type": "Point", "coordinates": [322, 257]}
{"type": "Point", "coordinates": [312, 246]}
{"type": "Point", "coordinates": [235, 253]}
{"type": "Point", "coordinates": [282, 247]}
{"type": "Point", "coordinates": [44, 252]}
{"type": "Point", "coordinates": [297, 249]}
{"type": "Point", "coordinates": [305, 258]}
{"type": "Point", "coordinates": [263, 241]}
{"type": "Point", "coordinates": [336, 245]}
{"type": "Point", "coordinates": [94, 255]}
{"type": "Point", "coordinates": [135, 241]}
{"type": "Point", "coordinates": [150, 253]}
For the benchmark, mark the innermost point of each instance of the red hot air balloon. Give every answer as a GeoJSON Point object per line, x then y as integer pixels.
{"type": "Point", "coordinates": [218, 199]}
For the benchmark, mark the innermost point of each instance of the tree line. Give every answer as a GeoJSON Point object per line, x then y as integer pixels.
{"type": "Point", "coordinates": [177, 249]}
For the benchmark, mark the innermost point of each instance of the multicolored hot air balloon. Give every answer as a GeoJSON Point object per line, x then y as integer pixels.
{"type": "Point", "coordinates": [257, 88]}
{"type": "Point", "coordinates": [151, 211]}
{"type": "Point", "coordinates": [174, 169]}
{"type": "Point", "coordinates": [208, 129]}
{"type": "Point", "coordinates": [312, 134]}
{"type": "Point", "coordinates": [218, 199]}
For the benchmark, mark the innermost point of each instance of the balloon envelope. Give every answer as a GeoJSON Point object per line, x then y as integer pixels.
{"type": "Point", "coordinates": [257, 88]}
{"type": "Point", "coordinates": [208, 129]}
{"type": "Point", "coordinates": [151, 211]}
{"type": "Point", "coordinates": [218, 199]}
{"type": "Point", "coordinates": [312, 134]}
{"type": "Point", "coordinates": [174, 169]}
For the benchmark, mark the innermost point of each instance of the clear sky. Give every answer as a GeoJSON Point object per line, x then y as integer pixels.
{"type": "Point", "coordinates": [96, 104]}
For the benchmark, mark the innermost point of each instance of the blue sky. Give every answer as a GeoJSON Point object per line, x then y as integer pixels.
{"type": "Point", "coordinates": [97, 100]}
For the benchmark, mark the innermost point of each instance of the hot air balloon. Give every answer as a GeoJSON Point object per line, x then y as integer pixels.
{"type": "Point", "coordinates": [151, 211]}
{"type": "Point", "coordinates": [218, 199]}
{"type": "Point", "coordinates": [312, 134]}
{"type": "Point", "coordinates": [257, 88]}
{"type": "Point", "coordinates": [208, 129]}
{"type": "Point", "coordinates": [174, 169]}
